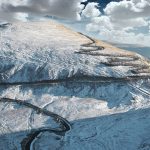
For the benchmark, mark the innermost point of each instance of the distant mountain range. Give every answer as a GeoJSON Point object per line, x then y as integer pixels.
{"type": "Point", "coordinates": [143, 50]}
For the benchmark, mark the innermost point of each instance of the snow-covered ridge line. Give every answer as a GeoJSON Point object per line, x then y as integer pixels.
{"type": "Point", "coordinates": [50, 61]}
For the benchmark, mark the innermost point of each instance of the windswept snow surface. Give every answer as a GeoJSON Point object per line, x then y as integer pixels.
{"type": "Point", "coordinates": [104, 92]}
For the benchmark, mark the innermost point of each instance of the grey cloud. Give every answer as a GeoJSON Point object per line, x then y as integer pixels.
{"type": "Point", "coordinates": [69, 9]}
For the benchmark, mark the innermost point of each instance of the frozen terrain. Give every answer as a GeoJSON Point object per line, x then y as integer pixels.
{"type": "Point", "coordinates": [64, 90]}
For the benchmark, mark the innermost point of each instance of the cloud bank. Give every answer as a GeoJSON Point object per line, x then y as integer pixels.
{"type": "Point", "coordinates": [69, 9]}
{"type": "Point", "coordinates": [123, 22]}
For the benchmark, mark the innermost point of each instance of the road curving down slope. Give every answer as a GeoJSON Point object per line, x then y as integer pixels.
{"type": "Point", "coordinates": [66, 61]}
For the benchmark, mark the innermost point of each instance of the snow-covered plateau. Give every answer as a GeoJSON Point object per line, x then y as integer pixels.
{"type": "Point", "coordinates": [60, 89]}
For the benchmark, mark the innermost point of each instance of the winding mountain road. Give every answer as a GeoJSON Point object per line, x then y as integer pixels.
{"type": "Point", "coordinates": [116, 61]}
{"type": "Point", "coordinates": [79, 79]}
{"type": "Point", "coordinates": [113, 60]}
{"type": "Point", "coordinates": [64, 125]}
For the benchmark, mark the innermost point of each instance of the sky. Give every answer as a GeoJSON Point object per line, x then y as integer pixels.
{"type": "Point", "coordinates": [120, 21]}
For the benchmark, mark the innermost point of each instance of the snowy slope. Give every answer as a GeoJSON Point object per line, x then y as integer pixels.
{"type": "Point", "coordinates": [101, 90]}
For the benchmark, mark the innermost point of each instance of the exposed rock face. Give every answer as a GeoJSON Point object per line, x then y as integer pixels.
{"type": "Point", "coordinates": [77, 77]}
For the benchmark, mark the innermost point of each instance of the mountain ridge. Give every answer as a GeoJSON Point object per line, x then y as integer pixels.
{"type": "Point", "coordinates": [60, 89]}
